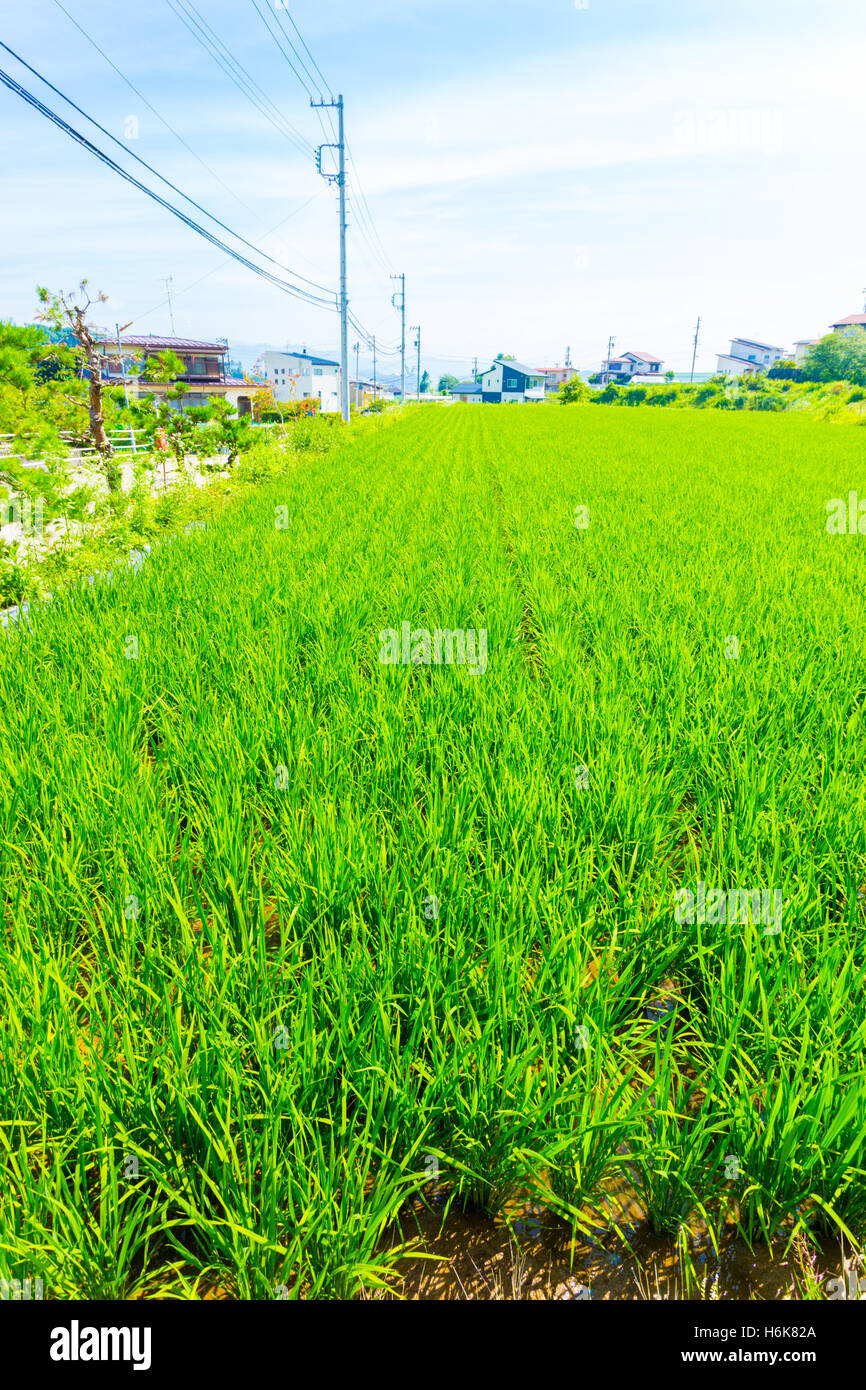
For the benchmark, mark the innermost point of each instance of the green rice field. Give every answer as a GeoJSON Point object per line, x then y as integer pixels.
{"type": "Point", "coordinates": [308, 953]}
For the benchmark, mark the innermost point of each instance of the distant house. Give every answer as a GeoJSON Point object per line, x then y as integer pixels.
{"type": "Point", "coordinates": [747, 357]}
{"type": "Point", "coordinates": [205, 375]}
{"type": "Point", "coordinates": [467, 391]}
{"type": "Point", "coordinates": [511, 381]}
{"type": "Point", "coordinates": [361, 393]}
{"type": "Point", "coordinates": [852, 321]}
{"type": "Point", "coordinates": [801, 349]}
{"type": "Point", "coordinates": [298, 376]}
{"type": "Point", "coordinates": [629, 367]}
{"type": "Point", "coordinates": [555, 376]}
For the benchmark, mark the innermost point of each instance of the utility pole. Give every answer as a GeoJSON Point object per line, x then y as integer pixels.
{"type": "Point", "coordinates": [475, 369]}
{"type": "Point", "coordinates": [340, 180]}
{"type": "Point", "coordinates": [695, 352]}
{"type": "Point", "coordinates": [610, 343]}
{"type": "Point", "coordinates": [416, 329]}
{"type": "Point", "coordinates": [402, 307]}
{"type": "Point", "coordinates": [375, 382]}
{"type": "Point", "coordinates": [568, 357]}
{"type": "Point", "coordinates": [168, 284]}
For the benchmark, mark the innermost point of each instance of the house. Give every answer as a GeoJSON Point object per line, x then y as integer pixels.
{"type": "Point", "coordinates": [628, 367]}
{"type": "Point", "coordinates": [467, 391]}
{"type": "Point", "coordinates": [852, 321]}
{"type": "Point", "coordinates": [205, 375]}
{"type": "Point", "coordinates": [801, 349]}
{"type": "Point", "coordinates": [298, 376]}
{"type": "Point", "coordinates": [747, 357]}
{"type": "Point", "coordinates": [555, 376]}
{"type": "Point", "coordinates": [362, 392]}
{"type": "Point", "coordinates": [510, 381]}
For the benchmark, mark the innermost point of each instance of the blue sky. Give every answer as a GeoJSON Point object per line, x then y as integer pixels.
{"type": "Point", "coordinates": [546, 175]}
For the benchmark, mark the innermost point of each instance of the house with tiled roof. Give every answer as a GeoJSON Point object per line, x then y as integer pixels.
{"type": "Point", "coordinates": [852, 321]}
{"type": "Point", "coordinates": [629, 367]}
{"type": "Point", "coordinates": [204, 376]}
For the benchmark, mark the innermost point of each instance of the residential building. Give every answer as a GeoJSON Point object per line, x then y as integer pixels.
{"type": "Point", "coordinates": [511, 381]}
{"type": "Point", "coordinates": [299, 376]}
{"type": "Point", "coordinates": [205, 376]}
{"type": "Point", "coordinates": [467, 391]}
{"type": "Point", "coordinates": [362, 392]}
{"type": "Point", "coordinates": [555, 376]}
{"type": "Point", "coordinates": [801, 349]}
{"type": "Point", "coordinates": [628, 367]}
{"type": "Point", "coordinates": [747, 357]}
{"type": "Point", "coordinates": [852, 321]}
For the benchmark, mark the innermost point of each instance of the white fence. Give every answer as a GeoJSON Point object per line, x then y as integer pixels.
{"type": "Point", "coordinates": [125, 440]}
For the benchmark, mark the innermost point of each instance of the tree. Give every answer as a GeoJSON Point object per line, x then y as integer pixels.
{"type": "Point", "coordinates": [669, 376]}
{"type": "Point", "coordinates": [61, 312]}
{"type": "Point", "coordinates": [163, 367]}
{"type": "Point", "coordinates": [506, 357]}
{"type": "Point", "coordinates": [447, 383]}
{"type": "Point", "coordinates": [425, 382]}
{"type": "Point", "coordinates": [838, 357]}
{"type": "Point", "coordinates": [570, 392]}
{"type": "Point", "coordinates": [40, 397]}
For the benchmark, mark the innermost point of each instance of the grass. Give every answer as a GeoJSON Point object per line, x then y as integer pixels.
{"type": "Point", "coordinates": [237, 1038]}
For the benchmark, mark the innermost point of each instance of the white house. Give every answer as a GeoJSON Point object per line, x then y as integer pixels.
{"type": "Point", "coordinates": [627, 367]}
{"type": "Point", "coordinates": [510, 381]}
{"type": "Point", "coordinates": [801, 349]}
{"type": "Point", "coordinates": [747, 357]}
{"type": "Point", "coordinates": [298, 376]}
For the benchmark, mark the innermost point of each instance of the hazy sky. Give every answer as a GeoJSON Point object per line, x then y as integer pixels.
{"type": "Point", "coordinates": [546, 175]}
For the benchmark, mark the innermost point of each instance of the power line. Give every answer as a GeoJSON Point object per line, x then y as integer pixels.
{"type": "Point", "coordinates": [313, 88]}
{"type": "Point", "coordinates": [326, 83]}
{"type": "Point", "coordinates": [213, 270]}
{"type": "Point", "coordinates": [150, 106]}
{"type": "Point", "coordinates": [246, 84]}
{"type": "Point", "coordinates": [310, 91]}
{"type": "Point", "coordinates": [157, 174]}
{"type": "Point", "coordinates": [82, 140]}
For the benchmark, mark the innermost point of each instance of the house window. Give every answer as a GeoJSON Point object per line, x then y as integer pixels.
{"type": "Point", "coordinates": [752, 357]}
{"type": "Point", "coordinates": [511, 383]}
{"type": "Point", "coordinates": [317, 371]}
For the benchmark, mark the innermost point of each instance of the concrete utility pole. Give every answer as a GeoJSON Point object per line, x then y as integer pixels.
{"type": "Point", "coordinates": [568, 357]}
{"type": "Point", "coordinates": [475, 369]}
{"type": "Point", "coordinates": [375, 382]}
{"type": "Point", "coordinates": [402, 307]}
{"type": "Point", "coordinates": [610, 343]}
{"type": "Point", "coordinates": [695, 352]}
{"type": "Point", "coordinates": [340, 179]}
{"type": "Point", "coordinates": [416, 328]}
{"type": "Point", "coordinates": [357, 362]}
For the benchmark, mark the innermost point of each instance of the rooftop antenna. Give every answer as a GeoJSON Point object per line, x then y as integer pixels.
{"type": "Point", "coordinates": [168, 284]}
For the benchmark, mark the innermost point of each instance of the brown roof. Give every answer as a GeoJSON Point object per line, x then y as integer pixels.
{"type": "Point", "coordinates": [852, 318]}
{"type": "Point", "coordinates": [159, 344]}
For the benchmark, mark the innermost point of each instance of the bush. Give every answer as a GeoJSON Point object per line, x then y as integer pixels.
{"type": "Point", "coordinates": [573, 391]}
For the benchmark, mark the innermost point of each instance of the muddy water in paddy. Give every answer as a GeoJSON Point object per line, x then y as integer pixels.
{"type": "Point", "coordinates": [479, 1257]}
